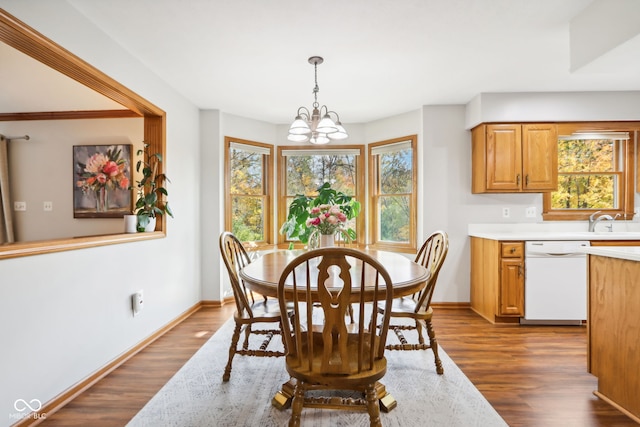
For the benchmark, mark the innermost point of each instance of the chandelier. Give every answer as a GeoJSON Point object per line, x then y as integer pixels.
{"type": "Point", "coordinates": [317, 127]}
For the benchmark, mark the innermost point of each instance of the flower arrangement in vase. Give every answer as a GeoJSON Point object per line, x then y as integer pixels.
{"type": "Point", "coordinates": [326, 214]}
{"type": "Point", "coordinates": [151, 191]}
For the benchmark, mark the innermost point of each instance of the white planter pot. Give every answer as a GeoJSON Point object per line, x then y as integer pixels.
{"type": "Point", "coordinates": [151, 226]}
{"type": "Point", "coordinates": [130, 223]}
{"type": "Point", "coordinates": [327, 240]}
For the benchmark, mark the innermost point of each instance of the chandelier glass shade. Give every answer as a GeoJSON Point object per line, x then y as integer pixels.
{"type": "Point", "coordinates": [320, 125]}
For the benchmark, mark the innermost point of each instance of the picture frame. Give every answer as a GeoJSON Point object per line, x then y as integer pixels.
{"type": "Point", "coordinates": [102, 181]}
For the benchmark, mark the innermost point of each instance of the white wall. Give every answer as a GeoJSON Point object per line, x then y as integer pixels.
{"type": "Point", "coordinates": [41, 169]}
{"type": "Point", "coordinates": [552, 107]}
{"type": "Point", "coordinates": [65, 315]}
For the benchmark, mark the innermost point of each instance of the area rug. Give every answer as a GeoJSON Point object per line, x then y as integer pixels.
{"type": "Point", "coordinates": [197, 397]}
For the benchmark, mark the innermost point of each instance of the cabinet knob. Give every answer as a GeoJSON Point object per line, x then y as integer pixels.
{"type": "Point", "coordinates": [526, 180]}
{"type": "Point", "coordinates": [518, 179]}
{"type": "Point", "coordinates": [513, 250]}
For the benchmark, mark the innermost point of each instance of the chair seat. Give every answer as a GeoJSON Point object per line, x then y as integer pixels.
{"type": "Point", "coordinates": [406, 307]}
{"type": "Point", "coordinates": [266, 310]}
{"type": "Point", "coordinates": [298, 366]}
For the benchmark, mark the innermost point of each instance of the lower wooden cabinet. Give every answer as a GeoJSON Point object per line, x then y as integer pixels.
{"type": "Point", "coordinates": [497, 279]}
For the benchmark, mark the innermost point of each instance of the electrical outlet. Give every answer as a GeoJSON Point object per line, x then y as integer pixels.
{"type": "Point", "coordinates": [530, 212]}
{"type": "Point", "coordinates": [19, 206]}
{"type": "Point", "coordinates": [137, 303]}
{"type": "Point", "coordinates": [48, 206]}
{"type": "Point", "coordinates": [506, 213]}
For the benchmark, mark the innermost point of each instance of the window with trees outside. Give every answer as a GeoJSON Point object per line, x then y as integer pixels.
{"type": "Point", "coordinates": [248, 180]}
{"type": "Point", "coordinates": [595, 173]}
{"type": "Point", "coordinates": [302, 170]}
{"type": "Point", "coordinates": [393, 193]}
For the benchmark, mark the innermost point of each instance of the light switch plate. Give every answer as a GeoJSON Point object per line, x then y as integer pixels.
{"type": "Point", "coordinates": [19, 206]}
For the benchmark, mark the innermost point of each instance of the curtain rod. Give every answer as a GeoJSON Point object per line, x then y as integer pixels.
{"type": "Point", "coordinates": [9, 138]}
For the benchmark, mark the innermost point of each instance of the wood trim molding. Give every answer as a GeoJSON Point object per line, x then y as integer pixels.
{"type": "Point", "coordinates": [16, 250]}
{"type": "Point", "coordinates": [217, 304]}
{"type": "Point", "coordinates": [450, 305]}
{"type": "Point", "coordinates": [69, 115]}
{"type": "Point", "coordinates": [67, 396]}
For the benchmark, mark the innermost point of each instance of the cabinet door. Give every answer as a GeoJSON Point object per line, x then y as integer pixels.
{"type": "Point", "coordinates": [504, 157]}
{"type": "Point", "coordinates": [511, 298]}
{"type": "Point", "coordinates": [539, 157]}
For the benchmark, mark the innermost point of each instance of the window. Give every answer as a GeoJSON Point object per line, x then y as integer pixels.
{"type": "Point", "coordinates": [248, 180]}
{"type": "Point", "coordinates": [393, 177]}
{"type": "Point", "coordinates": [302, 170]}
{"type": "Point", "coordinates": [595, 173]}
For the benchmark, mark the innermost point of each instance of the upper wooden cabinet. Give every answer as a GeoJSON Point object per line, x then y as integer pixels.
{"type": "Point", "coordinates": [514, 158]}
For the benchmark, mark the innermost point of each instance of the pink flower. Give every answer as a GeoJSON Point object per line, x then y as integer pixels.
{"type": "Point", "coordinates": [342, 217]}
{"type": "Point", "coordinates": [315, 210]}
{"type": "Point", "coordinates": [313, 221]}
{"type": "Point", "coordinates": [110, 168]}
{"type": "Point", "coordinates": [332, 219]}
{"type": "Point", "coordinates": [124, 182]}
{"type": "Point", "coordinates": [101, 178]}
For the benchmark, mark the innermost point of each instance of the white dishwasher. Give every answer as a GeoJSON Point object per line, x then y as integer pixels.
{"type": "Point", "coordinates": [555, 289]}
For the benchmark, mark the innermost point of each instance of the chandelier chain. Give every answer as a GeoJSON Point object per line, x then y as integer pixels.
{"type": "Point", "coordinates": [316, 89]}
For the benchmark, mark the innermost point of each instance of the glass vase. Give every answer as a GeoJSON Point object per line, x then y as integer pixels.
{"type": "Point", "coordinates": [102, 200]}
{"type": "Point", "coordinates": [327, 240]}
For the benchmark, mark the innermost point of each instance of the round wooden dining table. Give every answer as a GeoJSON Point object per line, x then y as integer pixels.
{"type": "Point", "coordinates": [263, 274]}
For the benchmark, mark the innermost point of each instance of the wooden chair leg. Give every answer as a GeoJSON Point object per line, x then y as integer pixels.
{"type": "Point", "coordinates": [434, 347]}
{"type": "Point", "coordinates": [232, 352]}
{"type": "Point", "coordinates": [296, 404]}
{"type": "Point", "coordinates": [419, 330]}
{"type": "Point", "coordinates": [373, 407]}
{"type": "Point", "coordinates": [247, 332]}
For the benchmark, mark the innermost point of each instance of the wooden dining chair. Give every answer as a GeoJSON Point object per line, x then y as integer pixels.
{"type": "Point", "coordinates": [324, 351]}
{"type": "Point", "coordinates": [248, 311]}
{"type": "Point", "coordinates": [417, 307]}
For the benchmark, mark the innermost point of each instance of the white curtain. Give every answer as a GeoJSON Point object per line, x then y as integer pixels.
{"type": "Point", "coordinates": [6, 213]}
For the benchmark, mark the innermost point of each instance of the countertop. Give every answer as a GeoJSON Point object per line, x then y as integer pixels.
{"type": "Point", "coordinates": [631, 253]}
{"type": "Point", "coordinates": [555, 235]}
{"type": "Point", "coordinates": [558, 230]}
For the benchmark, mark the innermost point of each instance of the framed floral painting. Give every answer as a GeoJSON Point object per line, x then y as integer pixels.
{"type": "Point", "coordinates": [101, 181]}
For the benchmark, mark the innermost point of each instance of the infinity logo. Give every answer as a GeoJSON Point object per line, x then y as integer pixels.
{"type": "Point", "coordinates": [21, 405]}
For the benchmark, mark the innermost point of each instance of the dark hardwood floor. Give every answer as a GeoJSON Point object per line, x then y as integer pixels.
{"type": "Point", "coordinates": [533, 375]}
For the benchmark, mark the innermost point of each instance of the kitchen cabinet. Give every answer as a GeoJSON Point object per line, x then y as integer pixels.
{"type": "Point", "coordinates": [514, 158]}
{"type": "Point", "coordinates": [613, 325]}
{"type": "Point", "coordinates": [615, 243]}
{"type": "Point", "coordinates": [497, 279]}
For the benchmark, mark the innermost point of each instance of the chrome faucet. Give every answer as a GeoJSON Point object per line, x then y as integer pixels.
{"type": "Point", "coordinates": [593, 221]}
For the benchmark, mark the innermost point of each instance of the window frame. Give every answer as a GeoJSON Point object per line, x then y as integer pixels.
{"type": "Point", "coordinates": [282, 188]}
{"type": "Point", "coordinates": [267, 176]}
{"type": "Point", "coordinates": [374, 195]}
{"type": "Point", "coordinates": [625, 159]}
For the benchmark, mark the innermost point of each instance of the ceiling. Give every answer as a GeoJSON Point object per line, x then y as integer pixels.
{"type": "Point", "coordinates": [382, 57]}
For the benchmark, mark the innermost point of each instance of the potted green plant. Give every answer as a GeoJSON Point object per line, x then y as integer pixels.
{"type": "Point", "coordinates": [308, 215]}
{"type": "Point", "coordinates": [151, 190]}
